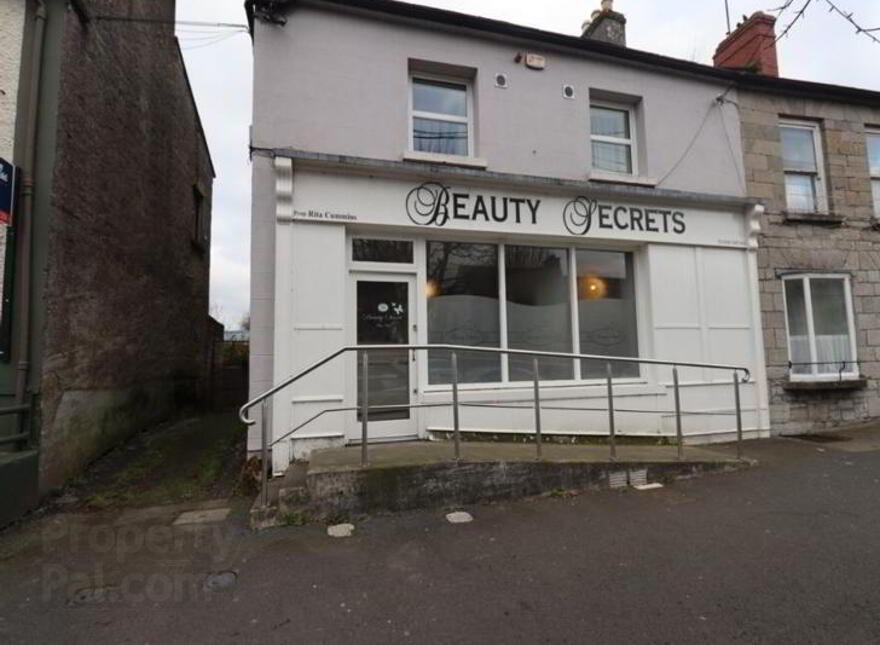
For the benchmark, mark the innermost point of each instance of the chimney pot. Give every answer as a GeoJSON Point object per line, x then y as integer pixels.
{"type": "Point", "coordinates": [750, 47]}
{"type": "Point", "coordinates": [606, 25]}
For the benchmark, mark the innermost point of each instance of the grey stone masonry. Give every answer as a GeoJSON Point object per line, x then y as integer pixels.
{"type": "Point", "coordinates": [843, 238]}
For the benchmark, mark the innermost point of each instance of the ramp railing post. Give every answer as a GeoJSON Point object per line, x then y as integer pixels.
{"type": "Point", "coordinates": [456, 429]}
{"type": "Point", "coordinates": [365, 405]}
{"type": "Point", "coordinates": [739, 420]}
{"type": "Point", "coordinates": [679, 437]}
{"type": "Point", "coordinates": [264, 453]}
{"type": "Point", "coordinates": [612, 439]}
{"type": "Point", "coordinates": [537, 388]}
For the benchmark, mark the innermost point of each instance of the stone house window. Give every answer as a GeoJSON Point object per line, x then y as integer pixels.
{"type": "Point", "coordinates": [802, 164]}
{"type": "Point", "coordinates": [819, 323]}
{"type": "Point", "coordinates": [874, 167]}
{"type": "Point", "coordinates": [612, 137]}
{"type": "Point", "coordinates": [441, 116]}
{"type": "Point", "coordinates": [199, 220]}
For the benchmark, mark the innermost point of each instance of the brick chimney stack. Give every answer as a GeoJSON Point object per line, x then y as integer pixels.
{"type": "Point", "coordinates": [606, 25]}
{"type": "Point", "coordinates": [751, 47]}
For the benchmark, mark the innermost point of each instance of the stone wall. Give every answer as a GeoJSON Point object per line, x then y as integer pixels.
{"type": "Point", "coordinates": [126, 339]}
{"type": "Point", "coordinates": [846, 241]}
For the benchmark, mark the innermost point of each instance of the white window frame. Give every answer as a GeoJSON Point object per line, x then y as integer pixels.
{"type": "Point", "coordinates": [467, 120]}
{"type": "Point", "coordinates": [874, 173]}
{"type": "Point", "coordinates": [821, 205]}
{"type": "Point", "coordinates": [632, 142]}
{"type": "Point", "coordinates": [814, 375]}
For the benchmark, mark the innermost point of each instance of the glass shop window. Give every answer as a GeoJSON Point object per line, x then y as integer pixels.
{"type": "Point", "coordinates": [538, 310]}
{"type": "Point", "coordinates": [393, 251]}
{"type": "Point", "coordinates": [606, 311]}
{"type": "Point", "coordinates": [463, 309]}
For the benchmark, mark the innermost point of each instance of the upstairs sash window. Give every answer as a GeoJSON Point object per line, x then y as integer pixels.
{"type": "Point", "coordinates": [441, 117]}
{"type": "Point", "coordinates": [611, 136]}
{"type": "Point", "coordinates": [873, 142]}
{"type": "Point", "coordinates": [802, 165]}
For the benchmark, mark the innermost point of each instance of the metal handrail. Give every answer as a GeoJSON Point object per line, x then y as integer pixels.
{"type": "Point", "coordinates": [242, 413]}
{"type": "Point", "coordinates": [365, 407]}
{"type": "Point", "coordinates": [15, 409]}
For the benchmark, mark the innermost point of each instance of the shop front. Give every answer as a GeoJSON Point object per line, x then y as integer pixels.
{"type": "Point", "coordinates": [364, 258]}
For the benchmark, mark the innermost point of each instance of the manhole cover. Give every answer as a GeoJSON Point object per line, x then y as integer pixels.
{"type": "Point", "coordinates": [220, 580]}
{"type": "Point", "coordinates": [822, 438]}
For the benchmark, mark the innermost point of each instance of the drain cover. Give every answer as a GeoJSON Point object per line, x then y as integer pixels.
{"type": "Point", "coordinates": [822, 438]}
{"type": "Point", "coordinates": [220, 580]}
{"type": "Point", "coordinates": [94, 596]}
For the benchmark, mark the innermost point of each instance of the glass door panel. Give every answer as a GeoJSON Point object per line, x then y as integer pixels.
{"type": "Point", "coordinates": [383, 319]}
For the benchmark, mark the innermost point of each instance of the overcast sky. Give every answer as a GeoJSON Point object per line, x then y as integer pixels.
{"type": "Point", "coordinates": [820, 47]}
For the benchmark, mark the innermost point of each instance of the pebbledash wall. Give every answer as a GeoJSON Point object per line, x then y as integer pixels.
{"type": "Point", "coordinates": [124, 327]}
{"type": "Point", "coordinates": [840, 239]}
{"type": "Point", "coordinates": [119, 333]}
{"type": "Point", "coordinates": [333, 163]}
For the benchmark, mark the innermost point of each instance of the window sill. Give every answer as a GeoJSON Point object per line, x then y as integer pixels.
{"type": "Point", "coordinates": [445, 160]}
{"type": "Point", "coordinates": [826, 386]}
{"type": "Point", "coordinates": [615, 178]}
{"type": "Point", "coordinates": [822, 219]}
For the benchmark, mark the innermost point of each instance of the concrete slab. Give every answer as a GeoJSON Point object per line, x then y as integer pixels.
{"type": "Point", "coordinates": [420, 453]}
{"type": "Point", "coordinates": [459, 517]}
{"type": "Point", "coordinates": [202, 516]}
{"type": "Point", "coordinates": [340, 530]}
{"type": "Point", "coordinates": [424, 474]}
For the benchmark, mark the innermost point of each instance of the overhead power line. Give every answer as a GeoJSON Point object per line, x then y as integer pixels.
{"type": "Point", "coordinates": [798, 16]}
{"type": "Point", "coordinates": [848, 16]}
{"type": "Point", "coordinates": [186, 23]}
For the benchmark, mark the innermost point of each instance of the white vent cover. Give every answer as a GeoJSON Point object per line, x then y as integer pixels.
{"type": "Point", "coordinates": [568, 91]}
{"type": "Point", "coordinates": [501, 81]}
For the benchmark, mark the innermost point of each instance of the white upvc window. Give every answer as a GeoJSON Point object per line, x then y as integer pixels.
{"type": "Point", "coordinates": [820, 327]}
{"type": "Point", "coordinates": [873, 141]}
{"type": "Point", "coordinates": [613, 138]}
{"type": "Point", "coordinates": [802, 163]}
{"type": "Point", "coordinates": [441, 116]}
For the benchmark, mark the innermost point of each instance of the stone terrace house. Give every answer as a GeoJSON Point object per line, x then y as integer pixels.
{"type": "Point", "coordinates": [812, 156]}
{"type": "Point", "coordinates": [105, 327]}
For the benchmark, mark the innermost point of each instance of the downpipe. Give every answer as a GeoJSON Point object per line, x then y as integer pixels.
{"type": "Point", "coordinates": [25, 221]}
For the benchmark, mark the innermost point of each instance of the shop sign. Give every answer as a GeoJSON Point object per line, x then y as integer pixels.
{"type": "Point", "coordinates": [433, 204]}
{"type": "Point", "coordinates": [7, 191]}
{"type": "Point", "coordinates": [582, 214]}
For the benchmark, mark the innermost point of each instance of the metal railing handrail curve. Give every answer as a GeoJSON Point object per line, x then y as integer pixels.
{"type": "Point", "coordinates": [242, 413]}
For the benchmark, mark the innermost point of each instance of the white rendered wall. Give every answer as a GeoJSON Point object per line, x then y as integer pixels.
{"type": "Point", "coordinates": [12, 15]}
{"type": "Point", "coordinates": [11, 31]}
{"type": "Point", "coordinates": [695, 303]}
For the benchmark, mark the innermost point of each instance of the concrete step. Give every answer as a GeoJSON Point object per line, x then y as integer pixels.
{"type": "Point", "coordinates": [424, 474]}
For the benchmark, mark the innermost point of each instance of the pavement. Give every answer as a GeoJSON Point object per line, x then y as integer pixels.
{"type": "Point", "coordinates": [786, 552]}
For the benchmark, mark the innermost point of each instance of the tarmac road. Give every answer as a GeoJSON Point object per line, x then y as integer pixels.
{"type": "Point", "coordinates": [786, 552]}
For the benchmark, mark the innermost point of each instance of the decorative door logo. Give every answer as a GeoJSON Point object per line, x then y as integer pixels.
{"type": "Point", "coordinates": [578, 215]}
